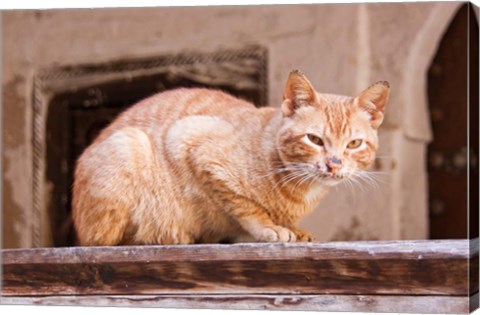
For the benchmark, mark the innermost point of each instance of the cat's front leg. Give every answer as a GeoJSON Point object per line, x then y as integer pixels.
{"type": "Point", "coordinates": [219, 176]}
{"type": "Point", "coordinates": [255, 220]}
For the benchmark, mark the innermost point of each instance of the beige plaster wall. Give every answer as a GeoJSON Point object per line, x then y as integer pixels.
{"type": "Point", "coordinates": [342, 48]}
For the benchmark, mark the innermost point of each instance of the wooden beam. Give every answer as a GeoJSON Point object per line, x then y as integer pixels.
{"type": "Point", "coordinates": [436, 268]}
{"type": "Point", "coordinates": [404, 250]}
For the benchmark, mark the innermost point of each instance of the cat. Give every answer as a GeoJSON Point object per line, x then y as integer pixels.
{"type": "Point", "coordinates": [195, 165]}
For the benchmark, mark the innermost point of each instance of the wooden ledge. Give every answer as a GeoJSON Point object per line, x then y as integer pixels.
{"type": "Point", "coordinates": [371, 276]}
{"type": "Point", "coordinates": [404, 250]}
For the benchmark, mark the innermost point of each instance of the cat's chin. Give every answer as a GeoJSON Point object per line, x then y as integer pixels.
{"type": "Point", "coordinates": [327, 180]}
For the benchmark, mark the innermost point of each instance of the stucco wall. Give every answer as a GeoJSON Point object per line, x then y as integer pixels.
{"type": "Point", "coordinates": [342, 48]}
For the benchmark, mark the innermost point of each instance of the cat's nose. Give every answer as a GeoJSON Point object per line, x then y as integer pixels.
{"type": "Point", "coordinates": [335, 160]}
{"type": "Point", "coordinates": [334, 164]}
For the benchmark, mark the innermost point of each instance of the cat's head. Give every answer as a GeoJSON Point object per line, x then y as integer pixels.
{"type": "Point", "coordinates": [329, 137]}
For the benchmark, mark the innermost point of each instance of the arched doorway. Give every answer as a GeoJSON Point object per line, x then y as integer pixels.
{"type": "Point", "coordinates": [452, 155]}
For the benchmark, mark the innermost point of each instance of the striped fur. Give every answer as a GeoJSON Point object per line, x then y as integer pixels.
{"type": "Point", "coordinates": [200, 166]}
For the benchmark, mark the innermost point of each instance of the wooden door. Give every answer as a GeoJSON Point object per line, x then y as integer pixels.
{"type": "Point", "coordinates": [453, 153]}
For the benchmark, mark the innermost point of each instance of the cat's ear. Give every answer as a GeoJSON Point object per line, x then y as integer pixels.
{"type": "Point", "coordinates": [374, 100]}
{"type": "Point", "coordinates": [298, 92]}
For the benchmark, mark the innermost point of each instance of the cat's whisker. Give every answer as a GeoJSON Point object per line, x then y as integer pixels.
{"type": "Point", "coordinates": [360, 179]}
{"type": "Point", "coordinates": [293, 174]}
{"type": "Point", "coordinates": [298, 176]}
{"type": "Point", "coordinates": [351, 186]}
{"type": "Point", "coordinates": [375, 176]}
{"type": "Point", "coordinates": [286, 164]}
{"type": "Point", "coordinates": [289, 177]}
{"type": "Point", "coordinates": [297, 171]}
{"type": "Point", "coordinates": [379, 180]}
{"type": "Point", "coordinates": [364, 182]}
{"type": "Point", "coordinates": [372, 183]}
{"type": "Point", "coordinates": [376, 172]}
{"type": "Point", "coordinates": [372, 173]}
{"type": "Point", "coordinates": [281, 170]}
{"type": "Point", "coordinates": [367, 179]}
{"type": "Point", "coordinates": [312, 180]}
{"type": "Point", "coordinates": [353, 190]}
{"type": "Point", "coordinates": [303, 180]}
{"type": "Point", "coordinates": [356, 181]}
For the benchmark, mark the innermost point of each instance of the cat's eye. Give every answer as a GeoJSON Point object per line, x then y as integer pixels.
{"type": "Point", "coordinates": [315, 140]}
{"type": "Point", "coordinates": [354, 143]}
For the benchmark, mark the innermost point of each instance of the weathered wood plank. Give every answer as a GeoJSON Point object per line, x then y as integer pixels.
{"type": "Point", "coordinates": [277, 276]}
{"type": "Point", "coordinates": [441, 249]}
{"type": "Point", "coordinates": [402, 268]}
{"type": "Point", "coordinates": [325, 303]}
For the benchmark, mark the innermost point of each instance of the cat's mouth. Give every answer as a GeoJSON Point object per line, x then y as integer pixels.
{"type": "Point", "coordinates": [330, 179]}
{"type": "Point", "coordinates": [332, 176]}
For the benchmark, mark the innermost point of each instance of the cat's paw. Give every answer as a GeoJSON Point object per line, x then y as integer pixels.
{"type": "Point", "coordinates": [304, 236]}
{"type": "Point", "coordinates": [174, 237]}
{"type": "Point", "coordinates": [276, 234]}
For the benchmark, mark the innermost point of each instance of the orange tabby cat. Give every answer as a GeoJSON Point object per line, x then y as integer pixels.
{"type": "Point", "coordinates": [198, 165]}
